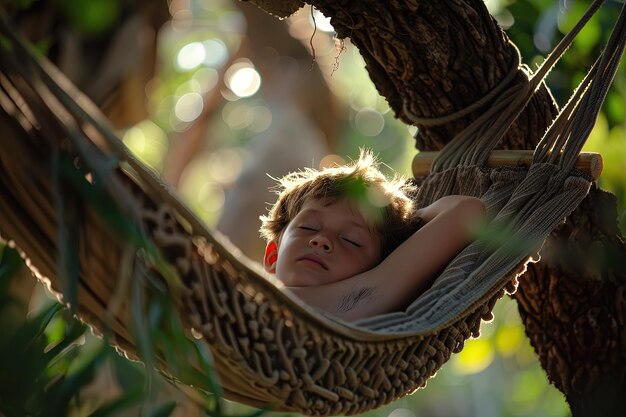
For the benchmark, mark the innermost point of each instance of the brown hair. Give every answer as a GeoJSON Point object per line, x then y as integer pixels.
{"type": "Point", "coordinates": [387, 202]}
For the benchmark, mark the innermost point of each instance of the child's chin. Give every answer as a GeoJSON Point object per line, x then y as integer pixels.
{"type": "Point", "coordinates": [303, 279]}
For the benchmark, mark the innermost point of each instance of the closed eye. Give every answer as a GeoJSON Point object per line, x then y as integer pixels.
{"type": "Point", "coordinates": [312, 229]}
{"type": "Point", "coordinates": [352, 242]}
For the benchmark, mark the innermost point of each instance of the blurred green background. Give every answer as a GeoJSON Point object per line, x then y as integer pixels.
{"type": "Point", "coordinates": [212, 84]}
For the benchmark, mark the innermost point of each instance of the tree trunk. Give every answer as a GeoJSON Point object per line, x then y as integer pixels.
{"type": "Point", "coordinates": [573, 305]}
{"type": "Point", "coordinates": [437, 58]}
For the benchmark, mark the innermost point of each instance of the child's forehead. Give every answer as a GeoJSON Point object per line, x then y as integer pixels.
{"type": "Point", "coordinates": [316, 205]}
{"type": "Point", "coordinates": [345, 209]}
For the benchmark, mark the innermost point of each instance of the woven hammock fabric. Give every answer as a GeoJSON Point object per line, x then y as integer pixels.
{"type": "Point", "coordinates": [525, 207]}
{"type": "Point", "coordinates": [268, 347]}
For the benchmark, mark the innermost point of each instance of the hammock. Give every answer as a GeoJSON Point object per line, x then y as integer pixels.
{"type": "Point", "coordinates": [268, 347]}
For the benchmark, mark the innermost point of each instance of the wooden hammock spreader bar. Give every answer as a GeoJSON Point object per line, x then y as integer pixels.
{"type": "Point", "coordinates": [588, 162]}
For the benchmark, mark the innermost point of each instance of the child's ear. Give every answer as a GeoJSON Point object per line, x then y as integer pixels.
{"type": "Point", "coordinates": [271, 255]}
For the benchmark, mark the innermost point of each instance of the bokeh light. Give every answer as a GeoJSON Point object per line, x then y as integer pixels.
{"type": "Point", "coordinates": [188, 107]}
{"type": "Point", "coordinates": [190, 56]}
{"type": "Point", "coordinates": [211, 197]}
{"type": "Point", "coordinates": [191, 86]}
{"type": "Point", "coordinates": [216, 52]}
{"type": "Point", "coordinates": [234, 114]}
{"type": "Point", "coordinates": [197, 186]}
{"type": "Point", "coordinates": [242, 79]}
{"type": "Point", "coordinates": [331, 160]}
{"type": "Point", "coordinates": [509, 339]}
{"type": "Point", "coordinates": [475, 357]}
{"type": "Point", "coordinates": [148, 142]}
{"type": "Point", "coordinates": [402, 412]}
{"type": "Point", "coordinates": [207, 78]}
{"type": "Point", "coordinates": [369, 121]}
{"type": "Point", "coordinates": [261, 118]}
{"type": "Point", "coordinates": [225, 165]}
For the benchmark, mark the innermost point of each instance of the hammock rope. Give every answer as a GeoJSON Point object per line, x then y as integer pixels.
{"type": "Point", "coordinates": [466, 111]}
{"type": "Point", "coordinates": [578, 128]}
{"type": "Point", "coordinates": [268, 348]}
{"type": "Point", "coordinates": [474, 144]}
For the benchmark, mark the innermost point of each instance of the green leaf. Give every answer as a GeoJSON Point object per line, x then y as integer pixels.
{"type": "Point", "coordinates": [60, 393]}
{"type": "Point", "coordinates": [91, 17]}
{"type": "Point", "coordinates": [38, 326]}
{"type": "Point", "coordinates": [76, 330]}
{"type": "Point", "coordinates": [129, 374]}
{"type": "Point", "coordinates": [122, 403]}
{"type": "Point", "coordinates": [164, 410]}
{"type": "Point", "coordinates": [260, 411]}
{"type": "Point", "coordinates": [5, 43]}
{"type": "Point", "coordinates": [141, 327]}
{"type": "Point", "coordinates": [10, 263]}
{"type": "Point", "coordinates": [68, 211]}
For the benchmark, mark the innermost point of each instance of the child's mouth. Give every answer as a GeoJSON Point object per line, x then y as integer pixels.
{"type": "Point", "coordinates": [315, 261]}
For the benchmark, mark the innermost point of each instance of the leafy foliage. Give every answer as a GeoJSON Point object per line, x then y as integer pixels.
{"type": "Point", "coordinates": [46, 365]}
{"type": "Point", "coordinates": [34, 369]}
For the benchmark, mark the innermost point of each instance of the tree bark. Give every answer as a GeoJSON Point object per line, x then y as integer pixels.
{"type": "Point", "coordinates": [436, 58]}
{"type": "Point", "coordinates": [573, 305]}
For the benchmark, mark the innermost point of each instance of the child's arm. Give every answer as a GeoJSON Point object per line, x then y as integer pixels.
{"type": "Point", "coordinates": [410, 269]}
{"type": "Point", "coordinates": [451, 224]}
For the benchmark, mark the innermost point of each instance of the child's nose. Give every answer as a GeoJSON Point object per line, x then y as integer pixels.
{"type": "Point", "coordinates": [322, 242]}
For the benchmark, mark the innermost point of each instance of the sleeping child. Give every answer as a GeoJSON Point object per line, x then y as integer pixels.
{"type": "Point", "coordinates": [348, 240]}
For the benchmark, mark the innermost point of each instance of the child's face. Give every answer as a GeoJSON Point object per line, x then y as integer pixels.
{"type": "Point", "coordinates": [325, 244]}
